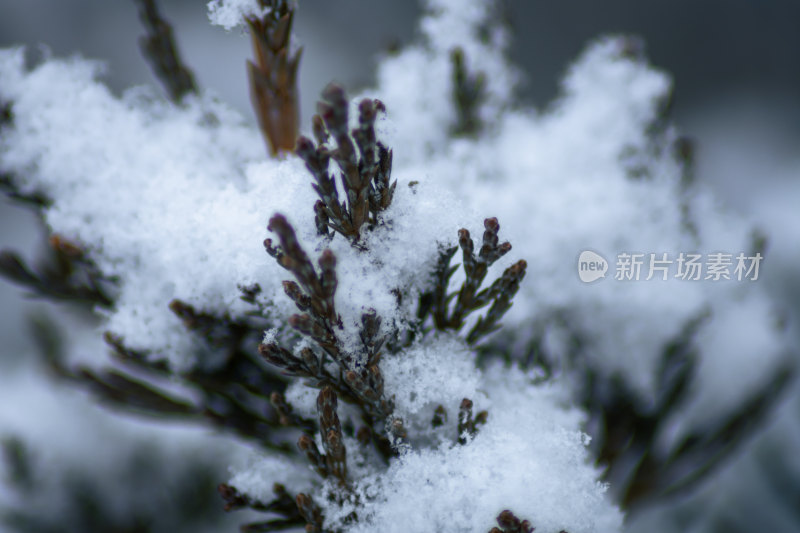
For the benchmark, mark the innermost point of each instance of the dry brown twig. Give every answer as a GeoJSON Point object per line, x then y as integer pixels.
{"type": "Point", "coordinates": [273, 75]}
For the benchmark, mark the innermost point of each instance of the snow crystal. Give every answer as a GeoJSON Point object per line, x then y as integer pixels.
{"type": "Point", "coordinates": [232, 13]}
{"type": "Point", "coordinates": [530, 457]}
{"type": "Point", "coordinates": [257, 478]}
{"type": "Point", "coordinates": [173, 201]}
{"type": "Point", "coordinates": [437, 372]}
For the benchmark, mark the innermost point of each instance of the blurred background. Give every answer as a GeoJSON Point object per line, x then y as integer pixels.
{"type": "Point", "coordinates": [736, 71]}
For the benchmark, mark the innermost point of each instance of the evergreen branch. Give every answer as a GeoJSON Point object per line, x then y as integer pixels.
{"type": "Point", "coordinates": [332, 439]}
{"type": "Point", "coordinates": [467, 426]}
{"type": "Point", "coordinates": [365, 166]}
{"type": "Point", "coordinates": [159, 48]}
{"type": "Point", "coordinates": [69, 274]}
{"type": "Point", "coordinates": [469, 93]}
{"type": "Point", "coordinates": [311, 512]}
{"type": "Point", "coordinates": [16, 456]}
{"type": "Point", "coordinates": [629, 431]}
{"type": "Point", "coordinates": [437, 301]}
{"type": "Point", "coordinates": [36, 200]}
{"type": "Point", "coordinates": [314, 295]}
{"type": "Point", "coordinates": [235, 396]}
{"type": "Point", "coordinates": [709, 448]}
{"type": "Point", "coordinates": [283, 505]}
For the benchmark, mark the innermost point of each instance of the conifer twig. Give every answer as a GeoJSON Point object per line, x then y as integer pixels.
{"type": "Point", "coordinates": [159, 47]}
{"type": "Point", "coordinates": [437, 302]}
{"type": "Point", "coordinates": [68, 274]}
{"type": "Point", "coordinates": [467, 425]}
{"type": "Point", "coordinates": [365, 165]}
{"type": "Point", "coordinates": [313, 295]}
{"type": "Point", "coordinates": [282, 505]}
{"type": "Point", "coordinates": [469, 92]}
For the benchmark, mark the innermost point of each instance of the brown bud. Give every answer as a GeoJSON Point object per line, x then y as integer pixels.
{"type": "Point", "coordinates": [507, 520]}
{"type": "Point", "coordinates": [304, 147]}
{"type": "Point", "coordinates": [64, 246]}
{"type": "Point", "coordinates": [364, 435]}
{"type": "Point", "coordinates": [439, 417]}
{"type": "Point", "coordinates": [318, 127]}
